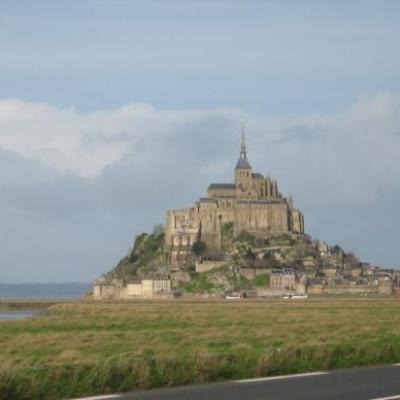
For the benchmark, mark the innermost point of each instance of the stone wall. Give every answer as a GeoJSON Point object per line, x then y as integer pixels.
{"type": "Point", "coordinates": [145, 289]}
{"type": "Point", "coordinates": [205, 266]}
{"type": "Point", "coordinates": [315, 289]}
{"type": "Point", "coordinates": [268, 292]}
{"type": "Point", "coordinates": [261, 217]}
{"type": "Point", "coordinates": [180, 277]}
{"type": "Point", "coordinates": [204, 222]}
{"type": "Point", "coordinates": [251, 273]}
{"type": "Point", "coordinates": [341, 289]}
{"type": "Point", "coordinates": [385, 287]}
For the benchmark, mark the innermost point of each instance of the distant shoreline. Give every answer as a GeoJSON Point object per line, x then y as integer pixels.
{"type": "Point", "coordinates": [53, 292]}
{"type": "Point", "coordinates": [34, 303]}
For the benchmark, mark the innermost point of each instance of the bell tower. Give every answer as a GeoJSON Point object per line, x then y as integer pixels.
{"type": "Point", "coordinates": [243, 171]}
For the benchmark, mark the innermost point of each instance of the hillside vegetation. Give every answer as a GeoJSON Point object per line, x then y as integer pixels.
{"type": "Point", "coordinates": [216, 281]}
{"type": "Point", "coordinates": [147, 253]}
{"type": "Point", "coordinates": [149, 258]}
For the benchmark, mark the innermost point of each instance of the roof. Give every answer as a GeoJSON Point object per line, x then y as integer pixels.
{"type": "Point", "coordinates": [283, 271]}
{"type": "Point", "coordinates": [243, 163]}
{"type": "Point", "coordinates": [226, 186]}
{"type": "Point", "coordinates": [250, 201]}
{"type": "Point", "coordinates": [257, 175]}
{"type": "Point", "coordinates": [207, 200]}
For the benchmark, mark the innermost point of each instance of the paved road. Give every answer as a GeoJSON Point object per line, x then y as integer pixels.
{"type": "Point", "coordinates": [378, 383]}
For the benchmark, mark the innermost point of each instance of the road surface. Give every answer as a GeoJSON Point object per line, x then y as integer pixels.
{"type": "Point", "coordinates": [376, 383]}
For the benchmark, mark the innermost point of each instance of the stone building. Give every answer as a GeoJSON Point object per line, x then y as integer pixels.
{"type": "Point", "coordinates": [329, 271]}
{"type": "Point", "coordinates": [141, 289]}
{"type": "Point", "coordinates": [283, 279]}
{"type": "Point", "coordinates": [323, 248]}
{"type": "Point", "coordinates": [251, 203]}
{"type": "Point", "coordinates": [385, 286]}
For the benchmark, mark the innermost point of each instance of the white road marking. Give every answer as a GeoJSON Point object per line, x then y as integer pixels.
{"type": "Point", "coordinates": [275, 378]}
{"type": "Point", "coordinates": [265, 379]}
{"type": "Point", "coordinates": [105, 397]}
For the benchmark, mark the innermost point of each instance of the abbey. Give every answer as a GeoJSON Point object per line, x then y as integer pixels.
{"type": "Point", "coordinates": [252, 204]}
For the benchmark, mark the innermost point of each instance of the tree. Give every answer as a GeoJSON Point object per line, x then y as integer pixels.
{"type": "Point", "coordinates": [227, 230]}
{"type": "Point", "coordinates": [157, 229]}
{"type": "Point", "coordinates": [199, 248]}
{"type": "Point", "coordinates": [249, 258]}
{"type": "Point", "coordinates": [249, 255]}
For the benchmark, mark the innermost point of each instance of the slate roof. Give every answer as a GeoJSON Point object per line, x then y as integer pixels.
{"type": "Point", "coordinates": [245, 201]}
{"type": "Point", "coordinates": [207, 200]}
{"type": "Point", "coordinates": [229, 186]}
{"type": "Point", "coordinates": [283, 271]}
{"type": "Point", "coordinates": [243, 163]}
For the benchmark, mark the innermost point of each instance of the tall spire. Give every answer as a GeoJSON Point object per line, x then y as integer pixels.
{"type": "Point", "coordinates": [243, 145]}
{"type": "Point", "coordinates": [243, 163]}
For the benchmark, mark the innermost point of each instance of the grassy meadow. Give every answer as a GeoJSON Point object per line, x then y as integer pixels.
{"type": "Point", "coordinates": [84, 348]}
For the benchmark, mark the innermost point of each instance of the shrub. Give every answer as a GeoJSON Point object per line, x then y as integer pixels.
{"type": "Point", "coordinates": [199, 248]}
{"type": "Point", "coordinates": [262, 280]}
{"type": "Point", "coordinates": [227, 230]}
{"type": "Point", "coordinates": [246, 237]}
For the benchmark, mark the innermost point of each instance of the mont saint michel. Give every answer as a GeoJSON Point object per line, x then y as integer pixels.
{"type": "Point", "coordinates": [243, 239]}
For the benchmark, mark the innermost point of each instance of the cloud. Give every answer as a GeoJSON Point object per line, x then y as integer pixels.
{"type": "Point", "coordinates": [76, 187]}
{"type": "Point", "coordinates": [348, 153]}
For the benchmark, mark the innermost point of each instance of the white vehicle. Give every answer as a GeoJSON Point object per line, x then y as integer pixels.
{"type": "Point", "coordinates": [233, 295]}
{"type": "Point", "coordinates": [295, 296]}
{"type": "Point", "coordinates": [300, 296]}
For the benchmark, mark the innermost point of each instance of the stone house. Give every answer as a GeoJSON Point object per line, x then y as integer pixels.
{"type": "Point", "coordinates": [309, 262]}
{"type": "Point", "coordinates": [329, 271]}
{"type": "Point", "coordinates": [283, 279]}
{"type": "Point", "coordinates": [323, 248]}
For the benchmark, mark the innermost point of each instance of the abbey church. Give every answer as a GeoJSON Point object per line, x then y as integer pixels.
{"type": "Point", "coordinates": [252, 203]}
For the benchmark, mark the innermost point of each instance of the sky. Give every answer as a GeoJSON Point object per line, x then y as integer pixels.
{"type": "Point", "coordinates": [112, 112]}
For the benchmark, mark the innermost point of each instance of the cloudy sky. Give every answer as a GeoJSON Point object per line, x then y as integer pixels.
{"type": "Point", "coordinates": [113, 111]}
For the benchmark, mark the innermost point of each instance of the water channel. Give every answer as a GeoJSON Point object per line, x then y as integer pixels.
{"type": "Point", "coordinates": [17, 315]}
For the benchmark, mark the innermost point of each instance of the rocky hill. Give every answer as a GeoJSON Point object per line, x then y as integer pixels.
{"type": "Point", "coordinates": [246, 264]}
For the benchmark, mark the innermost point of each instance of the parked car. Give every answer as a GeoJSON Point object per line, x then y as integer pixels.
{"type": "Point", "coordinates": [233, 295]}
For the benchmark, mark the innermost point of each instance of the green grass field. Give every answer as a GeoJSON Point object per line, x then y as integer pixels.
{"type": "Point", "coordinates": [81, 349]}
